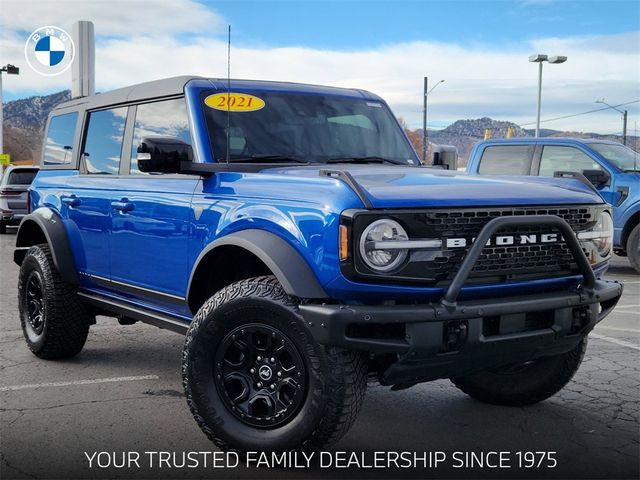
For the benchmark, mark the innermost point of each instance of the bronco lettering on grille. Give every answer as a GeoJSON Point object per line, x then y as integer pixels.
{"type": "Point", "coordinates": [505, 240]}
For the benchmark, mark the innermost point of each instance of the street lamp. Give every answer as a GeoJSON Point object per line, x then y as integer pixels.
{"type": "Point", "coordinates": [424, 116]}
{"type": "Point", "coordinates": [539, 58]}
{"type": "Point", "coordinates": [11, 70]}
{"type": "Point", "coordinates": [624, 119]}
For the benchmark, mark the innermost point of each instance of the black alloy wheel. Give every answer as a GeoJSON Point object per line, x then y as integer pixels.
{"type": "Point", "coordinates": [260, 375]}
{"type": "Point", "coordinates": [34, 300]}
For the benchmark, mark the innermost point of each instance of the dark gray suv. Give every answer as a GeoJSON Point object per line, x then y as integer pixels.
{"type": "Point", "coordinates": [14, 186]}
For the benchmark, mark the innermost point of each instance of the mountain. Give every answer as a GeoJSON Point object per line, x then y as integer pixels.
{"type": "Point", "coordinates": [477, 127]}
{"type": "Point", "coordinates": [24, 122]}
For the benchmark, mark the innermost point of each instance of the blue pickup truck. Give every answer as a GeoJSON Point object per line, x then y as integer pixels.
{"type": "Point", "coordinates": [611, 167]}
{"type": "Point", "coordinates": [292, 234]}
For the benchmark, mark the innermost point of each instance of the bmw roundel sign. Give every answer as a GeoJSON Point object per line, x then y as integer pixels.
{"type": "Point", "coordinates": [49, 50]}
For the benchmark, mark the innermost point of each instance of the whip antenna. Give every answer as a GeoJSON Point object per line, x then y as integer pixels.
{"type": "Point", "coordinates": [228, 93]}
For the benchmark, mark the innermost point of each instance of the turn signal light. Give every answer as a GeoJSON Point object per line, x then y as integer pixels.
{"type": "Point", "coordinates": [344, 243]}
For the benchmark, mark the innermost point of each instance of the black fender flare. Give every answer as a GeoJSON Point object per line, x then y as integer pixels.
{"type": "Point", "coordinates": [47, 221]}
{"type": "Point", "coordinates": [291, 270]}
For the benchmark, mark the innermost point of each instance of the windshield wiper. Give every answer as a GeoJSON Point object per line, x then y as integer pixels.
{"type": "Point", "coordinates": [367, 159]}
{"type": "Point", "coordinates": [261, 157]}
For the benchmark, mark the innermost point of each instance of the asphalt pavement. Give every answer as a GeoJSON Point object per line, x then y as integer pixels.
{"type": "Point", "coordinates": [123, 394]}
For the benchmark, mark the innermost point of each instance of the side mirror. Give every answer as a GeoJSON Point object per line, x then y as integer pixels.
{"type": "Point", "coordinates": [163, 154]}
{"type": "Point", "coordinates": [596, 177]}
{"type": "Point", "coordinates": [445, 156]}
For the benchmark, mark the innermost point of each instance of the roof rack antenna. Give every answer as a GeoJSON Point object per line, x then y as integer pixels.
{"type": "Point", "coordinates": [228, 93]}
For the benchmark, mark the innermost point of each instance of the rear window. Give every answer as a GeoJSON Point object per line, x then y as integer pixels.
{"type": "Point", "coordinates": [505, 160]}
{"type": "Point", "coordinates": [22, 177]}
{"type": "Point", "coordinates": [58, 147]}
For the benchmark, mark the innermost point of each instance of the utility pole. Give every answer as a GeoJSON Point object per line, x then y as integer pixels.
{"type": "Point", "coordinates": [539, 98]}
{"type": "Point", "coordinates": [624, 119]}
{"type": "Point", "coordinates": [1, 118]}
{"type": "Point", "coordinates": [425, 135]}
{"type": "Point", "coordinates": [424, 121]}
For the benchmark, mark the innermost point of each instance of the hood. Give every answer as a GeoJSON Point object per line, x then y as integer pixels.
{"type": "Point", "coordinates": [401, 187]}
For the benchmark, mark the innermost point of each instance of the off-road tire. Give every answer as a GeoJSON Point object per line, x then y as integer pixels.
{"type": "Point", "coordinates": [336, 378]}
{"type": "Point", "coordinates": [633, 248]}
{"type": "Point", "coordinates": [536, 382]}
{"type": "Point", "coordinates": [66, 320]}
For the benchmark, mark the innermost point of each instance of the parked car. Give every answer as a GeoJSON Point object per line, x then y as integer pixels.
{"type": "Point", "coordinates": [14, 186]}
{"type": "Point", "coordinates": [611, 167]}
{"type": "Point", "coordinates": [291, 232]}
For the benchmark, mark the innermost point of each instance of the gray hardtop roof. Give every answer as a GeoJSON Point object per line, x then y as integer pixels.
{"type": "Point", "coordinates": [175, 86]}
{"type": "Point", "coordinates": [133, 93]}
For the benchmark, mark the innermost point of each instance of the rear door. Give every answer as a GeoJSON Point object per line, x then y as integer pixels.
{"type": "Point", "coordinates": [87, 197]}
{"type": "Point", "coordinates": [151, 214]}
{"type": "Point", "coordinates": [506, 159]}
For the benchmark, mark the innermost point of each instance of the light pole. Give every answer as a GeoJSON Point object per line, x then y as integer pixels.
{"type": "Point", "coordinates": [424, 116]}
{"type": "Point", "coordinates": [624, 119]}
{"type": "Point", "coordinates": [539, 58]}
{"type": "Point", "coordinates": [11, 70]}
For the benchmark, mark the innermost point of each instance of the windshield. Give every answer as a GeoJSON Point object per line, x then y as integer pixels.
{"type": "Point", "coordinates": [621, 156]}
{"type": "Point", "coordinates": [305, 128]}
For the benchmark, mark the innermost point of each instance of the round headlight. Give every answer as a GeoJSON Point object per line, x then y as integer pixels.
{"type": "Point", "coordinates": [604, 241]}
{"type": "Point", "coordinates": [376, 245]}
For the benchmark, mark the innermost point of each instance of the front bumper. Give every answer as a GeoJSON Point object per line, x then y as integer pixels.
{"type": "Point", "coordinates": [434, 341]}
{"type": "Point", "coordinates": [451, 338]}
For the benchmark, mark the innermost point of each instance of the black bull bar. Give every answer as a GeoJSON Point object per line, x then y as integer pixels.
{"type": "Point", "coordinates": [451, 337]}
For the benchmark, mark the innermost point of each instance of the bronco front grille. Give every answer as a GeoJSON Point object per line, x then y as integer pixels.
{"type": "Point", "coordinates": [497, 262]}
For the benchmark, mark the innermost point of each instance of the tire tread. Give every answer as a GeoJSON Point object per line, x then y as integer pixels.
{"type": "Point", "coordinates": [67, 319]}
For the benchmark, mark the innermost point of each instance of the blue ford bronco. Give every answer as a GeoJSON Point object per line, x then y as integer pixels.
{"type": "Point", "coordinates": [612, 168]}
{"type": "Point", "coordinates": [291, 232]}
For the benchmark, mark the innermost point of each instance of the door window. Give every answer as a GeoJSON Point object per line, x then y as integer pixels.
{"type": "Point", "coordinates": [565, 159]}
{"type": "Point", "coordinates": [505, 160]}
{"type": "Point", "coordinates": [103, 143]}
{"type": "Point", "coordinates": [58, 147]}
{"type": "Point", "coordinates": [160, 119]}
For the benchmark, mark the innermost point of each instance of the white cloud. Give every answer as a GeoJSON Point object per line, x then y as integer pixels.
{"type": "Point", "coordinates": [495, 81]}
{"type": "Point", "coordinates": [117, 17]}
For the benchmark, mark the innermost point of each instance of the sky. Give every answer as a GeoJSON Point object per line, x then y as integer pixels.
{"type": "Point", "coordinates": [479, 48]}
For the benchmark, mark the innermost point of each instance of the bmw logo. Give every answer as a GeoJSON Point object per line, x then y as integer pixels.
{"type": "Point", "coordinates": [49, 51]}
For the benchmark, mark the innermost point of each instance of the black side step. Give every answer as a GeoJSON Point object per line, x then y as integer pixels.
{"type": "Point", "coordinates": [141, 314]}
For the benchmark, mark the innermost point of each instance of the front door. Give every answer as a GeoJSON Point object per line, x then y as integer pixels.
{"type": "Point", "coordinates": [566, 158]}
{"type": "Point", "coordinates": [151, 216]}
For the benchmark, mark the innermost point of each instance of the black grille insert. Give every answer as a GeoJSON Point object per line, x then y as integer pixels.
{"type": "Point", "coordinates": [522, 259]}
